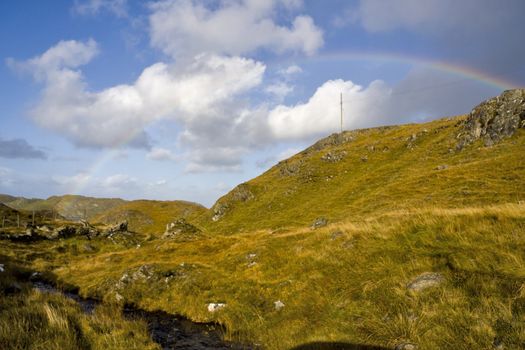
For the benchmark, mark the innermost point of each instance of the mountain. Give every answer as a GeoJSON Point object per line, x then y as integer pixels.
{"type": "Point", "coordinates": [147, 216]}
{"type": "Point", "coordinates": [453, 162]}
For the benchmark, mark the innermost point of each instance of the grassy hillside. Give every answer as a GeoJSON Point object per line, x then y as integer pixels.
{"type": "Point", "coordinates": [368, 172]}
{"type": "Point", "coordinates": [150, 217]}
{"type": "Point", "coordinates": [424, 245]}
{"type": "Point", "coordinates": [69, 206]}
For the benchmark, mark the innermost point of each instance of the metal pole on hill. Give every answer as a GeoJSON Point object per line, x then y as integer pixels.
{"type": "Point", "coordinates": [341, 112]}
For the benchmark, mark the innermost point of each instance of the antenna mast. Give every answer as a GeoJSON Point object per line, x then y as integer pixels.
{"type": "Point", "coordinates": [341, 112]}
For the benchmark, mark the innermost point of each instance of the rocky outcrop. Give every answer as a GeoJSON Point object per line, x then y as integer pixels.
{"type": "Point", "coordinates": [241, 193]}
{"type": "Point", "coordinates": [180, 227]}
{"type": "Point", "coordinates": [494, 119]}
{"type": "Point", "coordinates": [424, 281]}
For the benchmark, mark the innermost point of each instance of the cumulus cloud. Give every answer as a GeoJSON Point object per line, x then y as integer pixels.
{"type": "Point", "coordinates": [290, 71]}
{"type": "Point", "coordinates": [184, 28]}
{"type": "Point", "coordinates": [321, 113]}
{"type": "Point", "coordinates": [279, 90]}
{"type": "Point", "coordinates": [19, 148]}
{"type": "Point", "coordinates": [94, 7]}
{"type": "Point", "coordinates": [117, 115]}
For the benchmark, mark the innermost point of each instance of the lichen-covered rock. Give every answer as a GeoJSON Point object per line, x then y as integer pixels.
{"type": "Point", "coordinates": [334, 157]}
{"type": "Point", "coordinates": [319, 222]}
{"type": "Point", "coordinates": [494, 119]}
{"type": "Point", "coordinates": [424, 281]}
{"type": "Point", "coordinates": [179, 227]}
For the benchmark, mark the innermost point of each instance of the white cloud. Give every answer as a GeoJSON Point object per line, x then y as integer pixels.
{"type": "Point", "coordinates": [158, 153]}
{"type": "Point", "coordinates": [184, 28]}
{"type": "Point", "coordinates": [290, 70]}
{"type": "Point", "coordinates": [118, 181]}
{"type": "Point", "coordinates": [93, 7]}
{"type": "Point", "coordinates": [321, 114]}
{"type": "Point", "coordinates": [117, 115]}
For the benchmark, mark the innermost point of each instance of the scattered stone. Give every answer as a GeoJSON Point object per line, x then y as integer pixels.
{"type": "Point", "coordinates": [425, 280]}
{"type": "Point", "coordinates": [319, 222]}
{"type": "Point", "coordinates": [494, 119]}
{"type": "Point", "coordinates": [178, 227]}
{"type": "Point", "coordinates": [213, 307]}
{"type": "Point", "coordinates": [2, 267]}
{"type": "Point", "coordinates": [289, 167]}
{"type": "Point", "coordinates": [334, 157]}
{"type": "Point", "coordinates": [441, 167]}
{"type": "Point", "coordinates": [364, 158]}
{"type": "Point", "coordinates": [252, 264]}
{"type": "Point", "coordinates": [35, 276]}
{"type": "Point", "coordinates": [335, 235]}
{"type": "Point", "coordinates": [406, 346]}
{"type": "Point", "coordinates": [251, 256]}
{"type": "Point", "coordinates": [278, 305]}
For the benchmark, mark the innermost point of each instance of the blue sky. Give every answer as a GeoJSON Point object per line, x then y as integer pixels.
{"type": "Point", "coordinates": [184, 99]}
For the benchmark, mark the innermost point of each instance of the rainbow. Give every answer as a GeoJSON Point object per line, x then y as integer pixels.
{"type": "Point", "coordinates": [465, 72]}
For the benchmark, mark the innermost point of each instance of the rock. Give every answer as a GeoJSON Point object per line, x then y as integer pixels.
{"type": "Point", "coordinates": [334, 157]}
{"type": "Point", "coordinates": [332, 140]}
{"type": "Point", "coordinates": [180, 226]}
{"type": "Point", "coordinates": [88, 248]}
{"type": "Point", "coordinates": [289, 167]}
{"type": "Point", "coordinates": [494, 119]}
{"type": "Point", "coordinates": [335, 235]}
{"type": "Point", "coordinates": [278, 305]}
{"type": "Point", "coordinates": [441, 167]}
{"type": "Point", "coordinates": [241, 193]}
{"type": "Point", "coordinates": [88, 230]}
{"type": "Point", "coordinates": [498, 344]}
{"type": "Point", "coordinates": [213, 307]}
{"type": "Point", "coordinates": [425, 280]}
{"type": "Point", "coordinates": [120, 227]}
{"type": "Point", "coordinates": [118, 297]}
{"type": "Point", "coordinates": [13, 288]}
{"type": "Point", "coordinates": [251, 256]}
{"type": "Point", "coordinates": [252, 264]}
{"type": "Point", "coordinates": [364, 158]}
{"type": "Point", "coordinates": [63, 232]}
{"type": "Point", "coordinates": [2, 267]}
{"type": "Point", "coordinates": [406, 346]}
{"type": "Point", "coordinates": [319, 222]}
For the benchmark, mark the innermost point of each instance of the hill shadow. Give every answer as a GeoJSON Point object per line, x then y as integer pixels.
{"type": "Point", "coordinates": [337, 346]}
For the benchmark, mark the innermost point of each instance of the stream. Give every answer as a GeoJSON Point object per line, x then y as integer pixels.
{"type": "Point", "coordinates": [169, 331]}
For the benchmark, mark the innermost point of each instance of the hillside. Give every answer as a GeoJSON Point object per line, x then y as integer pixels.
{"type": "Point", "coordinates": [418, 243]}
{"type": "Point", "coordinates": [72, 207]}
{"type": "Point", "coordinates": [387, 169]}
{"type": "Point", "coordinates": [146, 216]}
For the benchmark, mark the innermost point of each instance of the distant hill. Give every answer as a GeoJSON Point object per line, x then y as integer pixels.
{"type": "Point", "coordinates": [147, 216]}
{"type": "Point", "coordinates": [71, 207]}
{"type": "Point", "coordinates": [453, 162]}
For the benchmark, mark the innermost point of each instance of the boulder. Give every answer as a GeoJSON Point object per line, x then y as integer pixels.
{"type": "Point", "coordinates": [213, 307]}
{"type": "Point", "coordinates": [333, 156]}
{"type": "Point", "coordinates": [424, 281]}
{"type": "Point", "coordinates": [494, 119]}
{"type": "Point", "coordinates": [319, 222]}
{"type": "Point", "coordinates": [180, 227]}
{"type": "Point", "coordinates": [406, 346]}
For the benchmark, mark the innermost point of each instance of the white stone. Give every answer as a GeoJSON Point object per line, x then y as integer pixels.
{"type": "Point", "coordinates": [119, 297]}
{"type": "Point", "coordinates": [278, 305]}
{"type": "Point", "coordinates": [212, 307]}
{"type": "Point", "coordinates": [2, 268]}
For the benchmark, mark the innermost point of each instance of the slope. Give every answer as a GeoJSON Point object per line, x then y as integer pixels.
{"type": "Point", "coordinates": [445, 163]}
{"type": "Point", "coordinates": [147, 216]}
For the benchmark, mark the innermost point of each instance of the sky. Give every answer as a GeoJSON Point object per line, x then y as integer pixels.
{"type": "Point", "coordinates": [185, 99]}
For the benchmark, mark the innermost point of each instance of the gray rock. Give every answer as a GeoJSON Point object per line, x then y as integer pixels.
{"type": "Point", "coordinates": [364, 158]}
{"type": "Point", "coordinates": [333, 156]}
{"type": "Point", "coordinates": [425, 280]}
{"type": "Point", "coordinates": [88, 248]}
{"type": "Point", "coordinates": [441, 167]}
{"type": "Point", "coordinates": [406, 346]}
{"type": "Point", "coordinates": [178, 227]}
{"type": "Point", "coordinates": [241, 193]}
{"type": "Point", "coordinates": [319, 222]}
{"type": "Point", "coordinates": [494, 119]}
{"type": "Point", "coordinates": [2, 267]}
